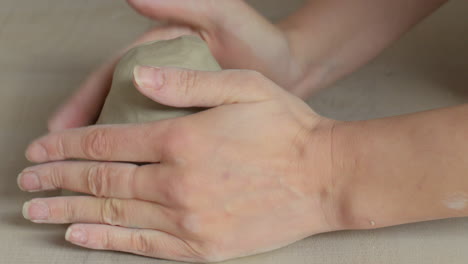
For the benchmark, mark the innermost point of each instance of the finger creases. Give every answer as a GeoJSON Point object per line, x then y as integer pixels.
{"type": "Point", "coordinates": [100, 179]}
{"type": "Point", "coordinates": [146, 242]}
{"type": "Point", "coordinates": [130, 143]}
{"type": "Point", "coordinates": [109, 211]}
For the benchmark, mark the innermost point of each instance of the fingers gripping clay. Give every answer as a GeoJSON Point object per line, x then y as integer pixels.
{"type": "Point", "coordinates": [125, 104]}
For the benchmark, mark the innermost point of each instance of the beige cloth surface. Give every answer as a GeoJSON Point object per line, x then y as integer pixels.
{"type": "Point", "coordinates": [48, 47]}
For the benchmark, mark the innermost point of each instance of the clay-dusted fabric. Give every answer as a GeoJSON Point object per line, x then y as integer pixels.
{"type": "Point", "coordinates": [125, 104]}
{"type": "Point", "coordinates": [46, 50]}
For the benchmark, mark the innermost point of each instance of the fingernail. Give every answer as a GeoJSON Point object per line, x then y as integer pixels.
{"type": "Point", "coordinates": [36, 153]}
{"type": "Point", "coordinates": [29, 181]}
{"type": "Point", "coordinates": [148, 77]}
{"type": "Point", "coordinates": [35, 211]}
{"type": "Point", "coordinates": [77, 236]}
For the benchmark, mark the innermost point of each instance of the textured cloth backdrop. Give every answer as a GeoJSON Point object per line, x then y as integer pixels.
{"type": "Point", "coordinates": [48, 47]}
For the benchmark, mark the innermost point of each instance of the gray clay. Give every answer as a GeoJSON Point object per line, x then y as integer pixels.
{"type": "Point", "coordinates": [125, 104]}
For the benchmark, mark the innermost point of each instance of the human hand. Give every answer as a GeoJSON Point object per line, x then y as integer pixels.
{"type": "Point", "coordinates": [249, 175]}
{"type": "Point", "coordinates": [237, 35]}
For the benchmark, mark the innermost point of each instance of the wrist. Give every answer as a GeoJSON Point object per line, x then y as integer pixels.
{"type": "Point", "coordinates": [332, 156]}
{"type": "Point", "coordinates": [308, 71]}
{"type": "Point", "coordinates": [365, 180]}
{"type": "Point", "coordinates": [325, 167]}
{"type": "Point", "coordinates": [346, 164]}
{"type": "Point", "coordinates": [389, 171]}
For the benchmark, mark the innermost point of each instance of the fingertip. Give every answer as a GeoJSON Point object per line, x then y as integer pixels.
{"type": "Point", "coordinates": [36, 153]}
{"type": "Point", "coordinates": [18, 182]}
{"type": "Point", "coordinates": [148, 79]}
{"type": "Point", "coordinates": [68, 233]}
{"type": "Point", "coordinates": [25, 210]}
{"type": "Point", "coordinates": [76, 234]}
{"type": "Point", "coordinates": [28, 181]}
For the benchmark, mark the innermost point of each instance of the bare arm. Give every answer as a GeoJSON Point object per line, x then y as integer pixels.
{"type": "Point", "coordinates": [402, 169]}
{"type": "Point", "coordinates": [331, 38]}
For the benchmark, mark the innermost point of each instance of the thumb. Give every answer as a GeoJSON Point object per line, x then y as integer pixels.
{"type": "Point", "coordinates": [193, 12]}
{"type": "Point", "coordinates": [188, 88]}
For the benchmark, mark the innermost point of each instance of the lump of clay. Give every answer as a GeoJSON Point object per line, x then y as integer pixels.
{"type": "Point", "coordinates": [125, 104]}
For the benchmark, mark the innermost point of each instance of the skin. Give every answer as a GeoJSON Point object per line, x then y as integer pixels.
{"type": "Point", "coordinates": [234, 43]}
{"type": "Point", "coordinates": [207, 194]}
{"type": "Point", "coordinates": [403, 169]}
{"type": "Point", "coordinates": [334, 38]}
{"type": "Point", "coordinates": [210, 193]}
{"type": "Point", "coordinates": [302, 53]}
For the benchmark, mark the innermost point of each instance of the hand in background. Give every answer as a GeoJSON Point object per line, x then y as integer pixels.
{"type": "Point", "coordinates": [237, 35]}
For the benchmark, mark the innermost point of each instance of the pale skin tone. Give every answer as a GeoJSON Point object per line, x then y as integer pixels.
{"type": "Point", "coordinates": [214, 192]}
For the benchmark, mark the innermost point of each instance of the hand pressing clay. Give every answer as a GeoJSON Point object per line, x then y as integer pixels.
{"type": "Point", "coordinates": [125, 104]}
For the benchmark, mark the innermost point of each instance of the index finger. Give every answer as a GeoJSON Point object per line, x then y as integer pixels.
{"type": "Point", "coordinates": [129, 143]}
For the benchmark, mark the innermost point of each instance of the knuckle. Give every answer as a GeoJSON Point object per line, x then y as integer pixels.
{"type": "Point", "coordinates": [131, 181]}
{"type": "Point", "coordinates": [55, 177]}
{"type": "Point", "coordinates": [96, 143]}
{"type": "Point", "coordinates": [186, 81]}
{"type": "Point", "coordinates": [191, 223]}
{"type": "Point", "coordinates": [250, 77]}
{"type": "Point", "coordinates": [98, 179]}
{"type": "Point", "coordinates": [255, 75]}
{"type": "Point", "coordinates": [54, 147]}
{"type": "Point", "coordinates": [111, 211]}
{"type": "Point", "coordinates": [263, 86]}
{"type": "Point", "coordinates": [141, 243]}
{"type": "Point", "coordinates": [70, 212]}
{"type": "Point", "coordinates": [108, 240]}
{"type": "Point", "coordinates": [60, 146]}
{"type": "Point", "coordinates": [195, 226]}
{"type": "Point", "coordinates": [201, 251]}
{"type": "Point", "coordinates": [210, 252]}
{"type": "Point", "coordinates": [258, 81]}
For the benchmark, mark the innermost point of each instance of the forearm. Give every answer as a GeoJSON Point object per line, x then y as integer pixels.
{"type": "Point", "coordinates": [331, 38]}
{"type": "Point", "coordinates": [402, 169]}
